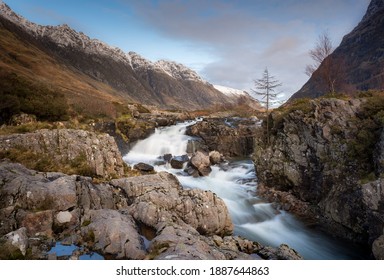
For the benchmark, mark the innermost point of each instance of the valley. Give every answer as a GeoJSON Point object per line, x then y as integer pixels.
{"type": "Point", "coordinates": [111, 154]}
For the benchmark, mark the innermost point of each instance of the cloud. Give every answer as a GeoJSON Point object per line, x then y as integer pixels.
{"type": "Point", "coordinates": [247, 36]}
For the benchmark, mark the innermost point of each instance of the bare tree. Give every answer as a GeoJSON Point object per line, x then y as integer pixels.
{"type": "Point", "coordinates": [328, 68]}
{"type": "Point", "coordinates": [265, 90]}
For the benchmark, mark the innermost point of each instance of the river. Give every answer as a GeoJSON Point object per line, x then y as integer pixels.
{"type": "Point", "coordinates": [236, 183]}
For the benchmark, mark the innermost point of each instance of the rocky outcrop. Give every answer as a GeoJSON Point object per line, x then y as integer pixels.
{"type": "Point", "coordinates": [144, 217]}
{"type": "Point", "coordinates": [95, 154]}
{"type": "Point", "coordinates": [231, 137]}
{"type": "Point", "coordinates": [320, 163]}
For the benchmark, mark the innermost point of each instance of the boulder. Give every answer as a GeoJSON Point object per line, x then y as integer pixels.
{"type": "Point", "coordinates": [178, 161]}
{"type": "Point", "coordinates": [215, 157]}
{"type": "Point", "coordinates": [201, 162]}
{"type": "Point", "coordinates": [167, 157]}
{"type": "Point", "coordinates": [144, 167]}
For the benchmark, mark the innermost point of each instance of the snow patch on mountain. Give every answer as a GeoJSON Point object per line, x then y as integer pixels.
{"type": "Point", "coordinates": [231, 92]}
{"type": "Point", "coordinates": [179, 71]}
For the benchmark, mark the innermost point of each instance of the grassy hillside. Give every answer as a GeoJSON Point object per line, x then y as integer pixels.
{"type": "Point", "coordinates": [32, 81]}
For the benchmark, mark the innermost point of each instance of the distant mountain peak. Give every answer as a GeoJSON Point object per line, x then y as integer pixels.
{"type": "Point", "coordinates": [230, 91]}
{"type": "Point", "coordinates": [179, 71]}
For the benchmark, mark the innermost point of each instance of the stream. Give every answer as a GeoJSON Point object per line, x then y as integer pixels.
{"type": "Point", "coordinates": [235, 182]}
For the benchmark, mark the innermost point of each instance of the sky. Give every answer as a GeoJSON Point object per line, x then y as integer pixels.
{"type": "Point", "coordinates": [227, 42]}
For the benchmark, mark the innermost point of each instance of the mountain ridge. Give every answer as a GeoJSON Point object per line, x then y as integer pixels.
{"type": "Point", "coordinates": [162, 83]}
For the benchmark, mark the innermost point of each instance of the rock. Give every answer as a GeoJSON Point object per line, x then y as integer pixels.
{"type": "Point", "coordinates": [167, 157]}
{"type": "Point", "coordinates": [191, 171]}
{"type": "Point", "coordinates": [144, 167]}
{"type": "Point", "coordinates": [378, 248]}
{"type": "Point", "coordinates": [283, 252]}
{"type": "Point", "coordinates": [202, 163]}
{"type": "Point", "coordinates": [37, 223]}
{"type": "Point", "coordinates": [141, 217]}
{"type": "Point", "coordinates": [93, 154]}
{"type": "Point", "coordinates": [196, 145]}
{"type": "Point", "coordinates": [114, 233]}
{"type": "Point", "coordinates": [157, 199]}
{"type": "Point", "coordinates": [64, 217]}
{"type": "Point", "coordinates": [311, 167]}
{"type": "Point", "coordinates": [216, 135]}
{"type": "Point", "coordinates": [215, 157]}
{"type": "Point", "coordinates": [192, 246]}
{"type": "Point", "coordinates": [17, 240]}
{"type": "Point", "coordinates": [178, 161]}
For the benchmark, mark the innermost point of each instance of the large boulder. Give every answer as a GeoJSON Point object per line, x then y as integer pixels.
{"type": "Point", "coordinates": [201, 162]}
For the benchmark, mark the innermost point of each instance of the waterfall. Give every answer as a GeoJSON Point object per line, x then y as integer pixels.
{"type": "Point", "coordinates": [235, 182]}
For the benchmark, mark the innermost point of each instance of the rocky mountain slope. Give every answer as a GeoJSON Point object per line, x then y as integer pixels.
{"type": "Point", "coordinates": [127, 76]}
{"type": "Point", "coordinates": [324, 161]}
{"type": "Point", "coordinates": [358, 61]}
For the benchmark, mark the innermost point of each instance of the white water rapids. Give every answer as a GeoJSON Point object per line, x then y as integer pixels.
{"type": "Point", "coordinates": [235, 183]}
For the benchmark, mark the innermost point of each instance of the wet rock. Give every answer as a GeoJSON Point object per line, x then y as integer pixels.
{"type": "Point", "coordinates": [178, 161]}
{"type": "Point", "coordinates": [167, 157]}
{"type": "Point", "coordinates": [144, 167]}
{"type": "Point", "coordinates": [201, 162]}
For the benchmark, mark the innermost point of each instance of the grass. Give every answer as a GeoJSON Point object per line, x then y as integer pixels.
{"type": "Point", "coordinates": [31, 71]}
{"type": "Point", "coordinates": [46, 163]}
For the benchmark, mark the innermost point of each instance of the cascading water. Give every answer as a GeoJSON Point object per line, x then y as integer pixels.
{"type": "Point", "coordinates": [235, 183]}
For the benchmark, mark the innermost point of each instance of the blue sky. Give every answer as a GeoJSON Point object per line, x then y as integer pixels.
{"type": "Point", "coordinates": [227, 42]}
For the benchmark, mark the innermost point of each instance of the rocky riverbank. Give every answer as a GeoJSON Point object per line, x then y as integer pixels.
{"type": "Point", "coordinates": [142, 217]}
{"type": "Point", "coordinates": [324, 162]}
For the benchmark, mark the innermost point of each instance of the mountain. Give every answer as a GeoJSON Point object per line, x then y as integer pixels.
{"type": "Point", "coordinates": [90, 70]}
{"type": "Point", "coordinates": [359, 58]}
